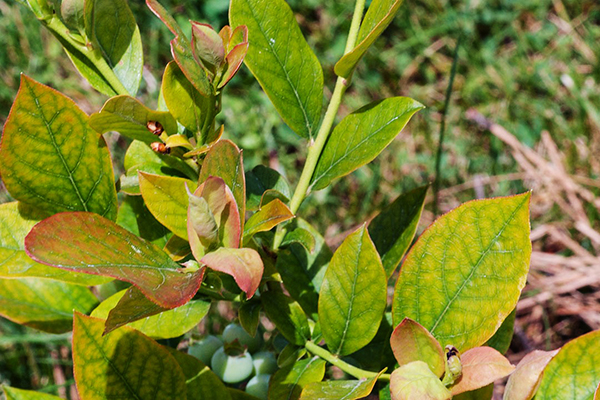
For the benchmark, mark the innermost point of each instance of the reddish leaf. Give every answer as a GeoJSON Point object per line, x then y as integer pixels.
{"type": "Point", "coordinates": [524, 382]}
{"type": "Point", "coordinates": [88, 243]}
{"type": "Point", "coordinates": [213, 217]}
{"type": "Point", "coordinates": [245, 265]}
{"type": "Point", "coordinates": [224, 160]}
{"type": "Point", "coordinates": [480, 367]}
{"type": "Point", "coordinates": [411, 342]}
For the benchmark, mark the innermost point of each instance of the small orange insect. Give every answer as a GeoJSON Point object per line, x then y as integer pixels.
{"type": "Point", "coordinates": [160, 148]}
{"type": "Point", "coordinates": [155, 127]}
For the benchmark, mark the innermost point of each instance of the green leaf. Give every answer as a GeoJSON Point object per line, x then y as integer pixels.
{"type": "Point", "coordinates": [249, 315]}
{"type": "Point", "coordinates": [237, 394]}
{"type": "Point", "coordinates": [111, 27]}
{"type": "Point", "coordinates": [268, 217]}
{"type": "Point", "coordinates": [378, 353]}
{"type": "Point", "coordinates": [86, 242]}
{"type": "Point", "coordinates": [353, 295]}
{"type": "Point", "coordinates": [411, 342]}
{"type": "Point", "coordinates": [378, 17]}
{"type": "Point", "coordinates": [503, 336]}
{"type": "Point", "coordinates": [465, 273]}
{"type": "Point", "coordinates": [167, 199]}
{"type": "Point", "coordinates": [288, 382]}
{"type": "Point", "coordinates": [19, 394]}
{"type": "Point", "coordinates": [177, 248]}
{"type": "Point", "coordinates": [524, 382]}
{"type": "Point", "coordinates": [130, 117]}
{"type": "Point", "coordinates": [123, 364]}
{"type": "Point", "coordinates": [282, 62]}
{"type": "Point", "coordinates": [339, 390]}
{"type": "Point", "coordinates": [134, 216]}
{"type": "Point", "coordinates": [394, 228]}
{"type": "Point", "coordinates": [212, 218]}
{"type": "Point", "coordinates": [187, 105]}
{"type": "Point", "coordinates": [261, 179]}
{"type": "Point", "coordinates": [361, 136]}
{"type": "Point", "coordinates": [287, 315]}
{"type": "Point", "coordinates": [16, 220]}
{"type": "Point", "coordinates": [480, 367]}
{"type": "Point", "coordinates": [224, 160]}
{"type": "Point", "coordinates": [72, 13]}
{"type": "Point", "coordinates": [415, 381]}
{"type": "Point", "coordinates": [300, 236]}
{"type": "Point", "coordinates": [182, 51]}
{"type": "Point", "coordinates": [201, 382]}
{"type": "Point", "coordinates": [484, 393]}
{"type": "Point", "coordinates": [47, 143]}
{"type": "Point", "coordinates": [574, 373]}
{"type": "Point", "coordinates": [87, 69]}
{"type": "Point", "coordinates": [43, 304]}
{"type": "Point", "coordinates": [162, 324]}
{"type": "Point", "coordinates": [302, 272]}
{"type": "Point", "coordinates": [245, 265]}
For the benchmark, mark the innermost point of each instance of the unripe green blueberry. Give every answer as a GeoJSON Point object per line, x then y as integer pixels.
{"type": "Point", "coordinates": [231, 368]}
{"type": "Point", "coordinates": [234, 332]}
{"type": "Point", "coordinates": [264, 363]}
{"type": "Point", "coordinates": [205, 348]}
{"type": "Point", "coordinates": [258, 386]}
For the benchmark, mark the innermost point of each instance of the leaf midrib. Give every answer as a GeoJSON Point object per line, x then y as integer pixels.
{"type": "Point", "coordinates": [287, 77]}
{"type": "Point", "coordinates": [475, 267]}
{"type": "Point", "coordinates": [56, 147]}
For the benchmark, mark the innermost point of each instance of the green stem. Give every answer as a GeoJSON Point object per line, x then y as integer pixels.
{"type": "Point", "coordinates": [61, 32]}
{"type": "Point", "coordinates": [344, 366]}
{"type": "Point", "coordinates": [315, 148]}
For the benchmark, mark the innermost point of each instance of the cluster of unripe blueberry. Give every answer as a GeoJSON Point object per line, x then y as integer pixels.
{"type": "Point", "coordinates": [237, 356]}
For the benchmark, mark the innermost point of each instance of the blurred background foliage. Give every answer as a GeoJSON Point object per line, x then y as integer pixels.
{"type": "Point", "coordinates": [528, 65]}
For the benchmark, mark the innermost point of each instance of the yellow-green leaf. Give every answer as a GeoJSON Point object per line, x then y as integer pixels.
{"type": "Point", "coordinates": [16, 220]}
{"type": "Point", "coordinates": [51, 158]}
{"type": "Point", "coordinates": [282, 62]}
{"type": "Point", "coordinates": [269, 216]}
{"type": "Point", "coordinates": [43, 304]}
{"type": "Point", "coordinates": [86, 242]}
{"type": "Point", "coordinates": [130, 118]}
{"type": "Point", "coordinates": [361, 136]}
{"type": "Point", "coordinates": [378, 17]}
{"type": "Point", "coordinates": [187, 105]}
{"type": "Point", "coordinates": [123, 364]}
{"type": "Point", "coordinates": [415, 381]}
{"type": "Point", "coordinates": [339, 390]}
{"type": "Point", "coordinates": [574, 373]}
{"type": "Point", "coordinates": [288, 382]}
{"type": "Point", "coordinates": [111, 27]}
{"type": "Point", "coordinates": [411, 342]}
{"type": "Point", "coordinates": [167, 199]}
{"type": "Point", "coordinates": [162, 324]}
{"type": "Point", "coordinates": [19, 394]}
{"type": "Point", "coordinates": [353, 295]}
{"type": "Point", "coordinates": [465, 273]}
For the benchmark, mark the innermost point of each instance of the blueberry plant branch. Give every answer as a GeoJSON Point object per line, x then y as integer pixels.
{"type": "Point", "coordinates": [315, 148]}
{"type": "Point", "coordinates": [341, 364]}
{"type": "Point", "coordinates": [52, 22]}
